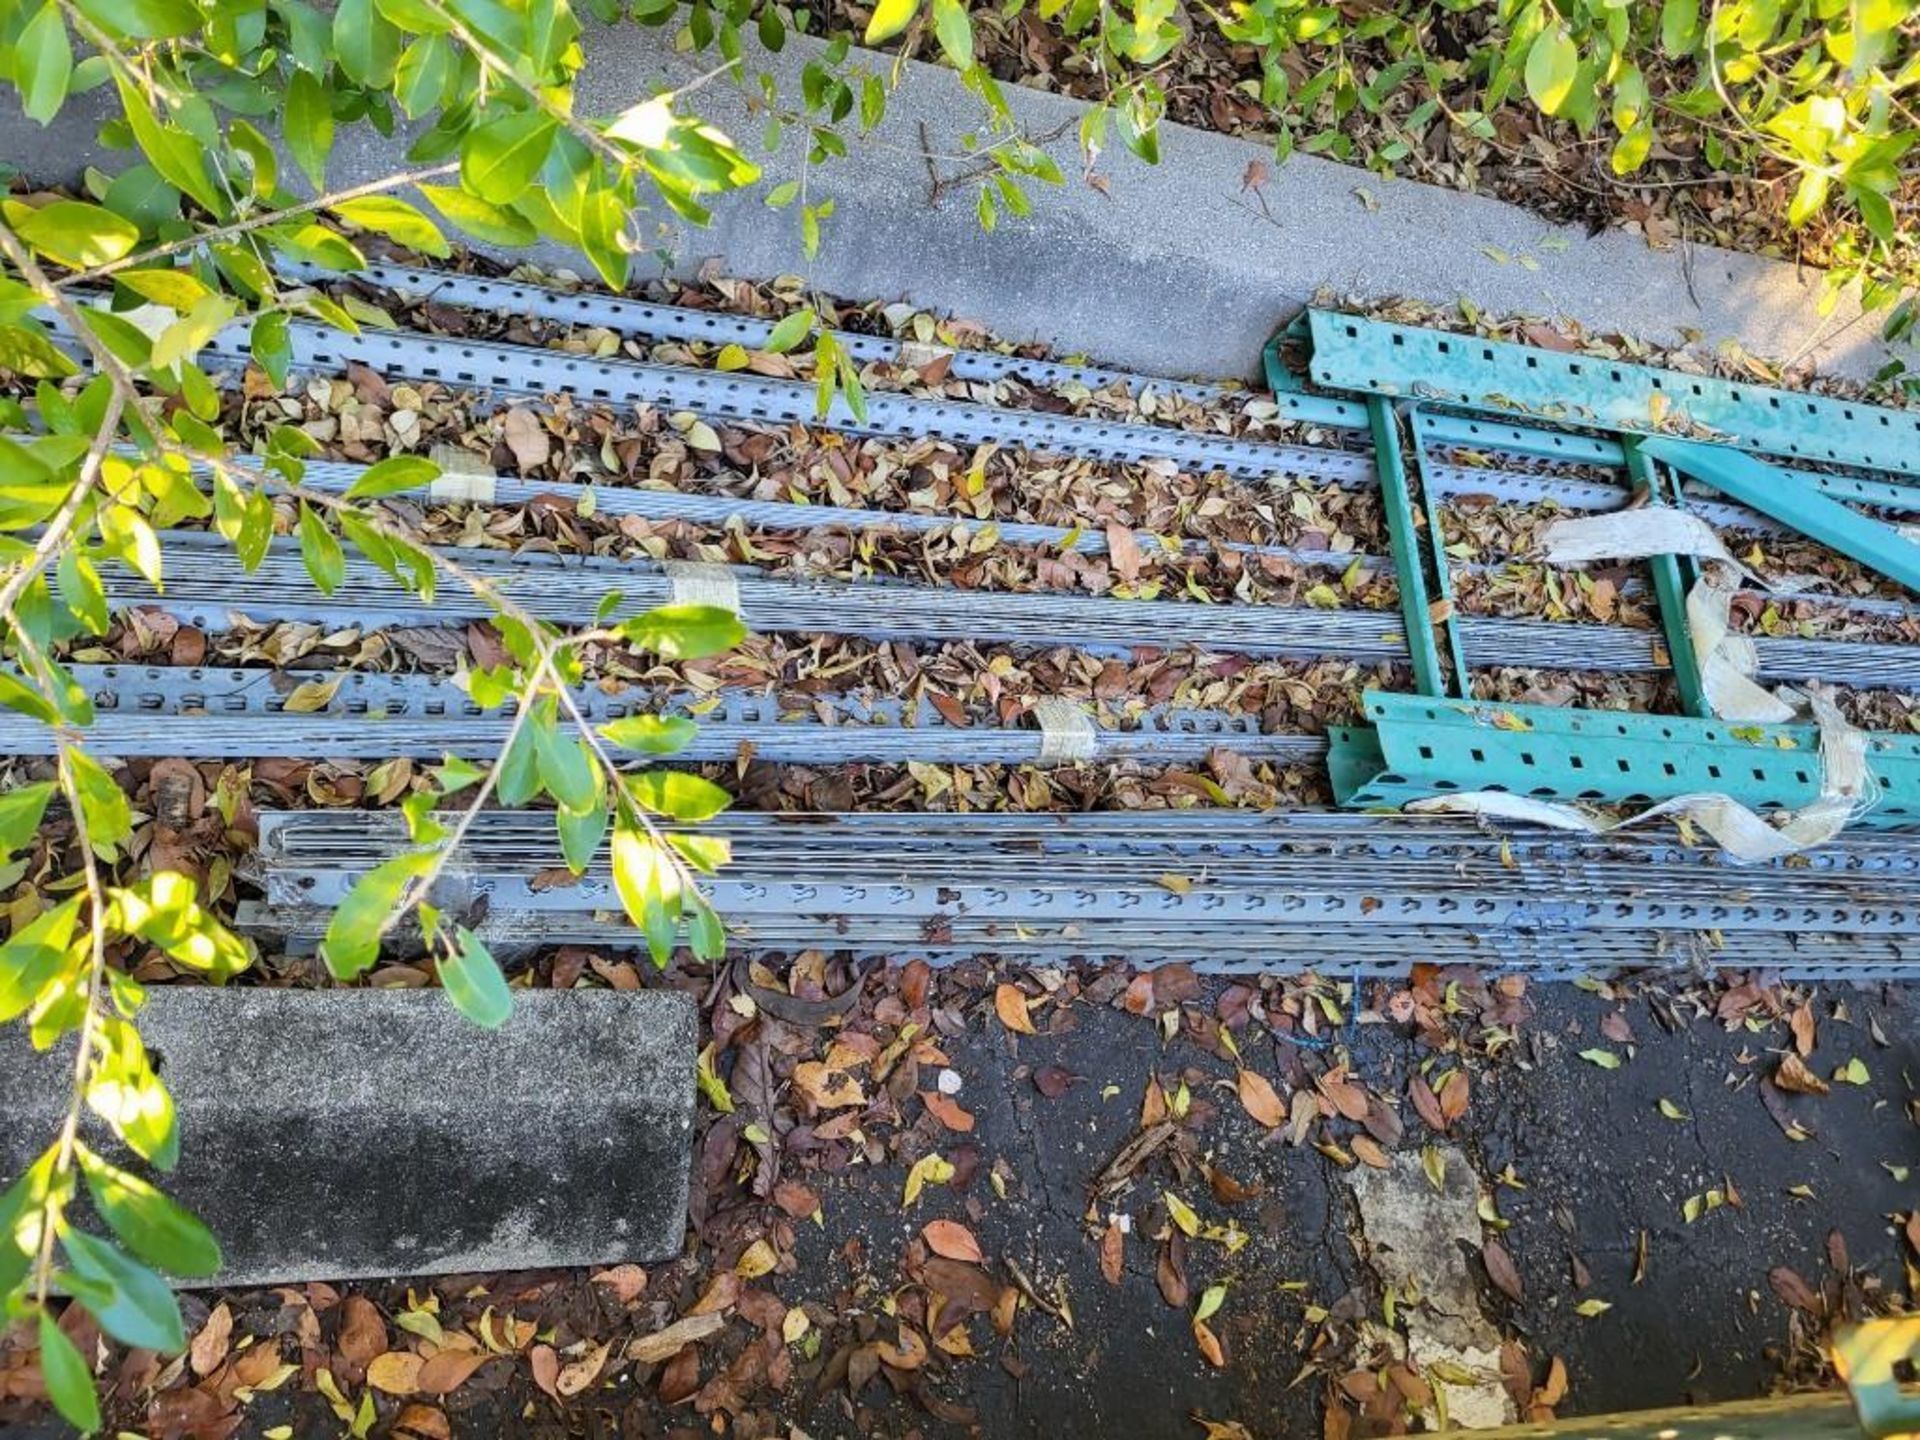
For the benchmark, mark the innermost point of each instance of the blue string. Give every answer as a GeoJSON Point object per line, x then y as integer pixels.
{"type": "Point", "coordinates": [1308, 1042]}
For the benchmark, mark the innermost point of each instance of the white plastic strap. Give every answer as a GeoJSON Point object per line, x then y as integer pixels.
{"type": "Point", "coordinates": [1066, 731]}
{"type": "Point", "coordinates": [463, 475]}
{"type": "Point", "coordinates": [696, 583]}
{"type": "Point", "coordinates": [1846, 790]}
{"type": "Point", "coordinates": [1728, 660]}
{"type": "Point", "coordinates": [1632, 535]}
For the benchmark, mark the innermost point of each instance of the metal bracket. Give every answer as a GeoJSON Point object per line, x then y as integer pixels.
{"type": "Point", "coordinates": [1416, 747]}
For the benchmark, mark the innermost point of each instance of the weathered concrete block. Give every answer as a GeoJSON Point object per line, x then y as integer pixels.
{"type": "Point", "coordinates": [344, 1134]}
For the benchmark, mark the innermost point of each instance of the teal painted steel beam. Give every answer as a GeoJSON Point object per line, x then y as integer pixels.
{"type": "Point", "coordinates": [1409, 571]}
{"type": "Point", "coordinates": [1417, 746]}
{"type": "Point", "coordinates": [1472, 432]}
{"type": "Point", "coordinates": [1670, 586]}
{"type": "Point", "coordinates": [1374, 357]}
{"type": "Point", "coordinates": [1442, 566]}
{"type": "Point", "coordinates": [1873, 543]}
{"type": "Point", "coordinates": [1292, 396]}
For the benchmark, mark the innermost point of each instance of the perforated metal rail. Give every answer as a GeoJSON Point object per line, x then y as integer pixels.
{"type": "Point", "coordinates": [527, 370]}
{"type": "Point", "coordinates": [719, 327]}
{"type": "Point", "coordinates": [212, 713]}
{"type": "Point", "coordinates": [205, 587]}
{"type": "Point", "coordinates": [724, 510]}
{"type": "Point", "coordinates": [1306, 874]}
{"type": "Point", "coordinates": [1367, 951]}
{"type": "Point", "coordinates": [1414, 746]}
{"type": "Point", "coordinates": [1350, 353]}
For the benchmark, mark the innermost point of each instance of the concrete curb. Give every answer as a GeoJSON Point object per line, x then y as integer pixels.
{"type": "Point", "coordinates": [1175, 270]}
{"type": "Point", "coordinates": [340, 1134]}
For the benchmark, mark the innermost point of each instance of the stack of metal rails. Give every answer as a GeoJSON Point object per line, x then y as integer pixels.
{"type": "Point", "coordinates": [1420, 415]}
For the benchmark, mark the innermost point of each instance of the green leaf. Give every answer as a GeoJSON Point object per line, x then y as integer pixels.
{"type": "Point", "coordinates": [651, 734]}
{"type": "Point", "coordinates": [396, 219]}
{"type": "Point", "coordinates": [142, 19]}
{"type": "Point", "coordinates": [391, 476]}
{"type": "Point", "coordinates": [352, 941]}
{"type": "Point", "coordinates": [955, 31]}
{"type": "Point", "coordinates": [890, 17]}
{"type": "Point", "coordinates": [1680, 27]}
{"type": "Point", "coordinates": [683, 632]}
{"type": "Point", "coordinates": [103, 804]}
{"type": "Point", "coordinates": [192, 332]}
{"type": "Point", "coordinates": [478, 218]}
{"type": "Point", "coordinates": [499, 159]}
{"type": "Point", "coordinates": [426, 69]}
{"type": "Point", "coordinates": [649, 886]}
{"type": "Point", "coordinates": [165, 908]}
{"type": "Point", "coordinates": [177, 289]}
{"type": "Point", "coordinates": [43, 64]}
{"type": "Point", "coordinates": [124, 1091]}
{"type": "Point", "coordinates": [155, 1228]}
{"type": "Point", "coordinates": [139, 1310]}
{"type": "Point", "coordinates": [74, 233]}
{"type": "Point", "coordinates": [20, 812]}
{"type": "Point", "coordinates": [791, 330]}
{"type": "Point", "coordinates": [1552, 65]}
{"type": "Point", "coordinates": [1211, 1299]}
{"type": "Point", "coordinates": [33, 957]}
{"type": "Point", "coordinates": [581, 832]}
{"type": "Point", "coordinates": [677, 795]}
{"type": "Point", "coordinates": [1605, 1059]}
{"type": "Point", "coordinates": [260, 155]}
{"type": "Point", "coordinates": [1808, 197]}
{"type": "Point", "coordinates": [365, 43]}
{"type": "Point", "coordinates": [326, 562]}
{"type": "Point", "coordinates": [566, 767]}
{"type": "Point", "coordinates": [473, 982]}
{"type": "Point", "coordinates": [178, 157]}
{"type": "Point", "coordinates": [309, 125]}
{"type": "Point", "coordinates": [68, 1380]}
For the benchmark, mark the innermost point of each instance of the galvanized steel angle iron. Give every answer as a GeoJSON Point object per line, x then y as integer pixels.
{"type": "Point", "coordinates": [534, 372]}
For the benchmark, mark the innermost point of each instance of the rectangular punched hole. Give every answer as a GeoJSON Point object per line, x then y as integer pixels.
{"type": "Point", "coordinates": [1714, 771]}
{"type": "Point", "coordinates": [1626, 768]}
{"type": "Point", "coordinates": [1526, 757]}
{"type": "Point", "coordinates": [1667, 765]}
{"type": "Point", "coordinates": [1479, 757]}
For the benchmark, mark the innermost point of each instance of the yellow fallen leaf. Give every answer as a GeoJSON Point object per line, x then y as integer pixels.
{"type": "Point", "coordinates": [1182, 1213]}
{"type": "Point", "coordinates": [1591, 1308]}
{"type": "Point", "coordinates": [756, 1260]}
{"type": "Point", "coordinates": [795, 1325]}
{"type": "Point", "coordinates": [933, 1169]}
{"type": "Point", "coordinates": [1010, 1004]}
{"type": "Point", "coordinates": [397, 1372]}
{"type": "Point", "coordinates": [313, 695]}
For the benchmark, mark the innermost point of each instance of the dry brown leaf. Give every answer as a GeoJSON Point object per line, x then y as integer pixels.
{"type": "Point", "coordinates": [909, 1354]}
{"type": "Point", "coordinates": [1555, 1388]}
{"type": "Point", "coordinates": [1802, 1024]}
{"type": "Point", "coordinates": [1113, 1254]}
{"type": "Point", "coordinates": [544, 1361]}
{"type": "Point", "coordinates": [1010, 1004]}
{"type": "Point", "coordinates": [397, 1372]}
{"type": "Point", "coordinates": [1425, 1103]}
{"type": "Point", "coordinates": [1792, 1290]}
{"type": "Point", "coordinates": [363, 1334]}
{"type": "Point", "coordinates": [825, 1088]}
{"type": "Point", "coordinates": [1260, 1100]}
{"type": "Point", "coordinates": [449, 1370]}
{"type": "Point", "coordinates": [1503, 1272]}
{"type": "Point", "coordinates": [421, 1422]}
{"type": "Point", "coordinates": [947, 1111]}
{"type": "Point", "coordinates": [1345, 1096]}
{"type": "Point", "coordinates": [527, 438]}
{"type": "Point", "coordinates": [1454, 1095]}
{"type": "Point", "coordinates": [953, 1240]}
{"type": "Point", "coordinates": [1369, 1151]}
{"type": "Point", "coordinates": [1211, 1349]}
{"type": "Point", "coordinates": [1794, 1075]}
{"type": "Point", "coordinates": [626, 1283]}
{"type": "Point", "coordinates": [664, 1344]}
{"type": "Point", "coordinates": [581, 1373]}
{"type": "Point", "coordinates": [1614, 1026]}
{"type": "Point", "coordinates": [210, 1345]}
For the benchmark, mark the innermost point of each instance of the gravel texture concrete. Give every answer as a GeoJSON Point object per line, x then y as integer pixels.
{"type": "Point", "coordinates": [1176, 269]}
{"type": "Point", "coordinates": [338, 1134]}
